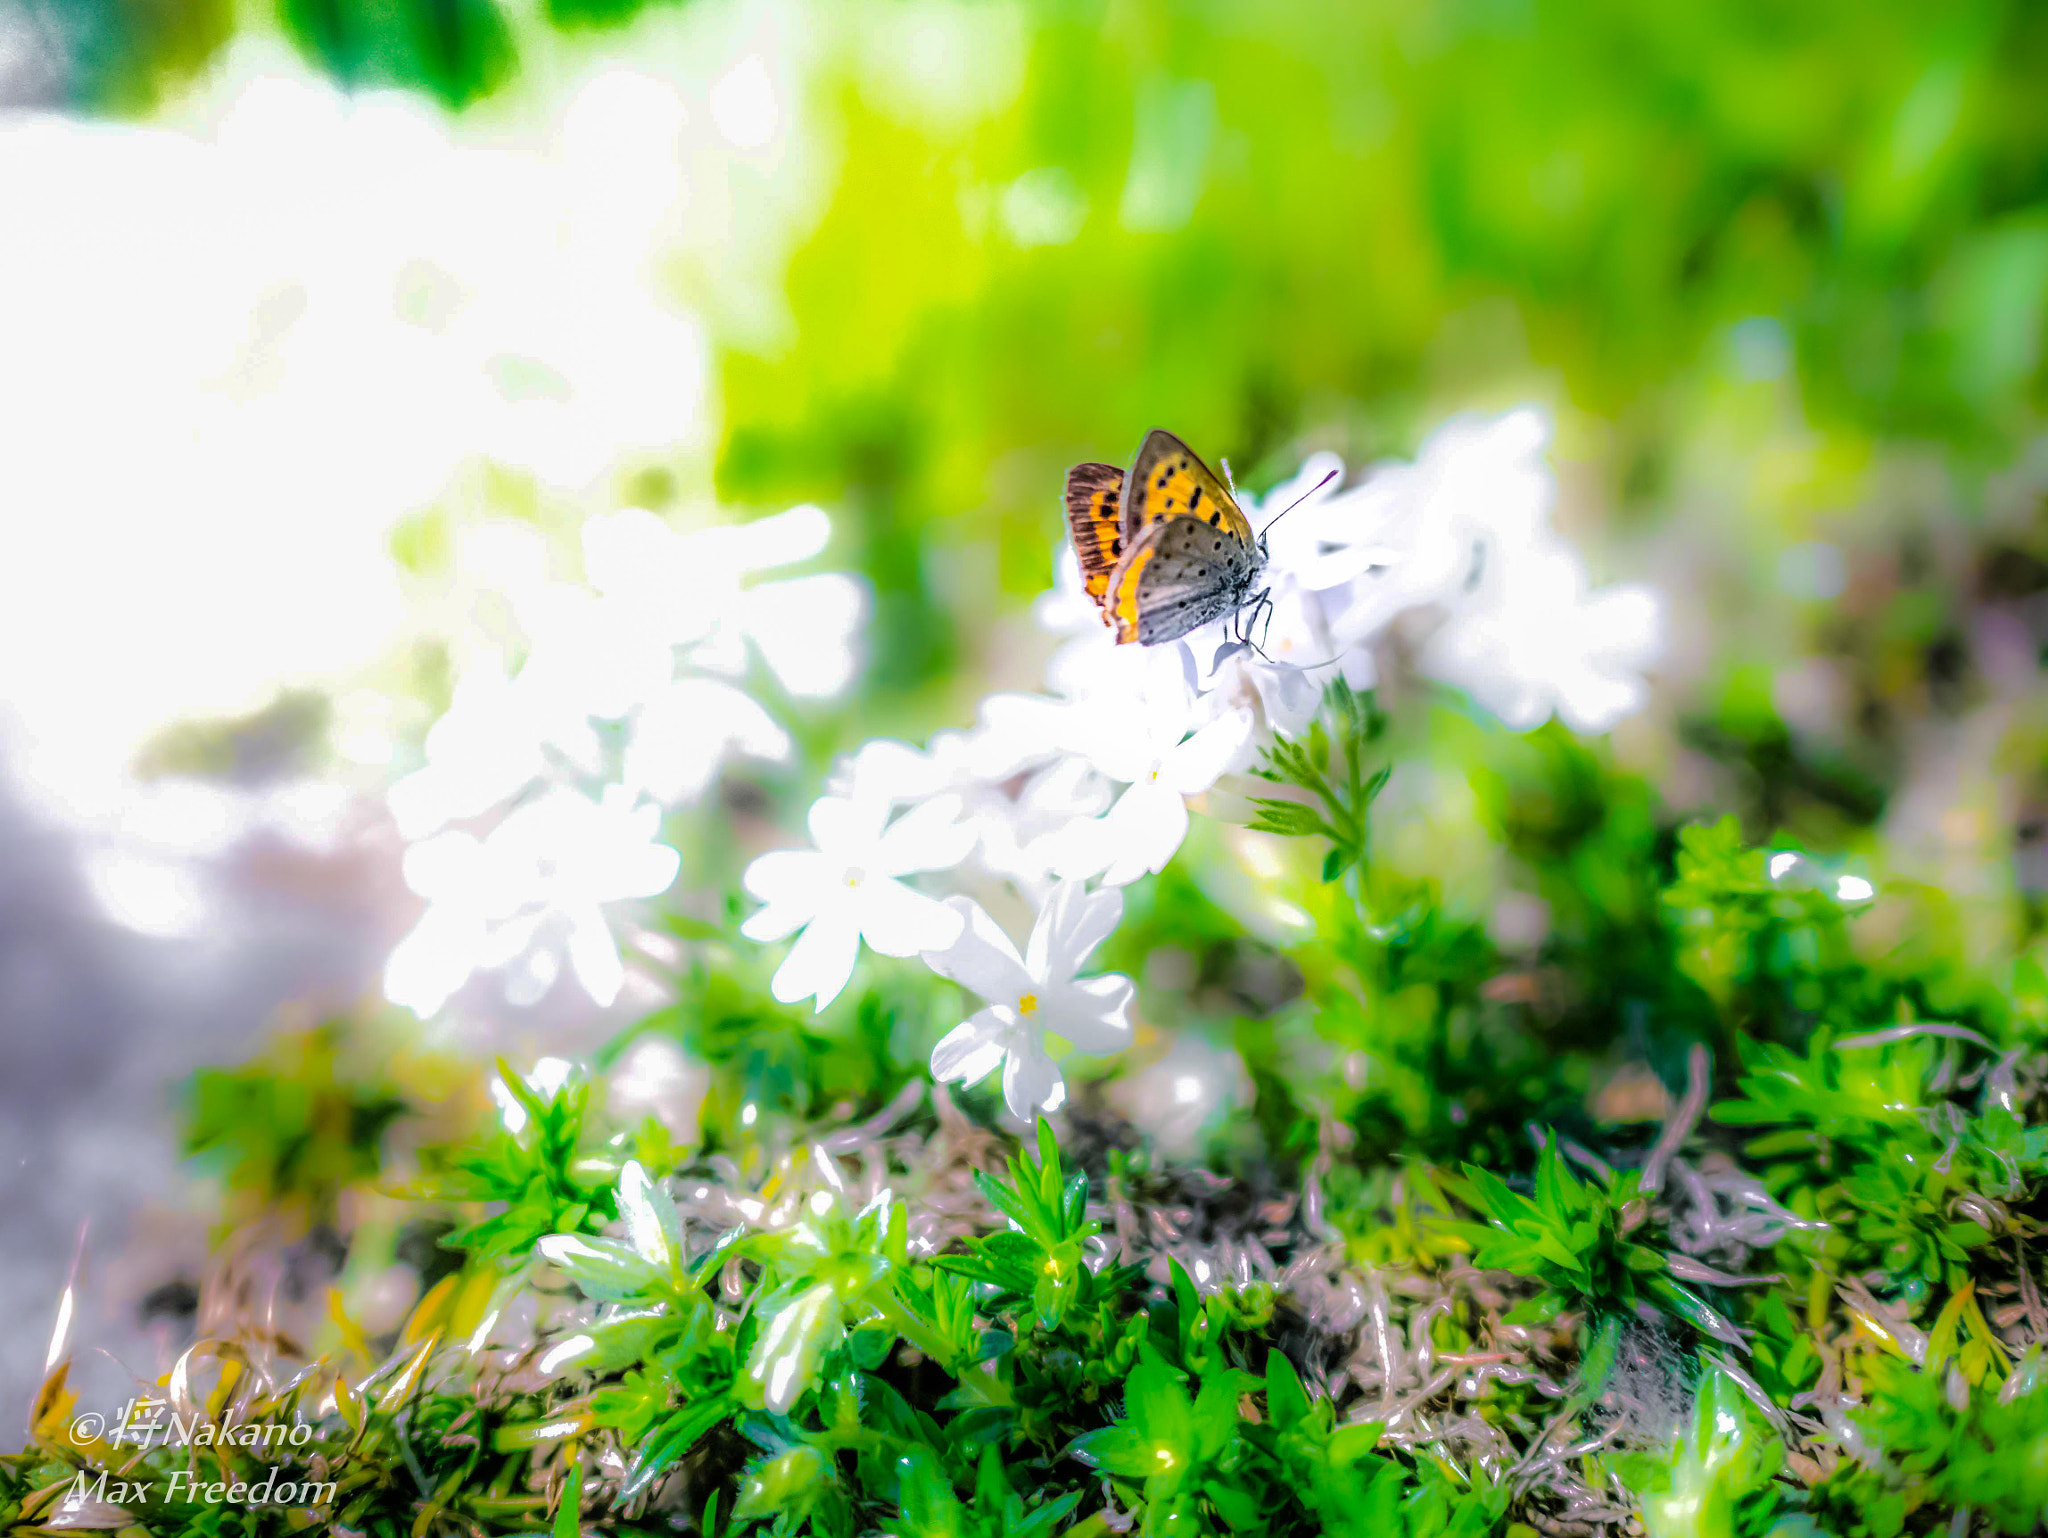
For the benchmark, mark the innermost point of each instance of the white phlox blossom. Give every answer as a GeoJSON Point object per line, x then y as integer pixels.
{"type": "Point", "coordinates": [1150, 751]}
{"type": "Point", "coordinates": [1091, 781]}
{"type": "Point", "coordinates": [527, 895]}
{"type": "Point", "coordinates": [1019, 785]}
{"type": "Point", "coordinates": [849, 888]}
{"type": "Point", "coordinates": [1032, 996]}
{"type": "Point", "coordinates": [485, 749]}
{"type": "Point", "coordinates": [1531, 642]}
{"type": "Point", "coordinates": [653, 648]}
{"type": "Point", "coordinates": [1418, 532]}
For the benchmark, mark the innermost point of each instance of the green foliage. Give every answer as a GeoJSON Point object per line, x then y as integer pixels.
{"type": "Point", "coordinates": [1040, 1260]}
{"type": "Point", "coordinates": [1852, 1134]}
{"type": "Point", "coordinates": [1345, 793]}
{"type": "Point", "coordinates": [1772, 953]}
{"type": "Point", "coordinates": [453, 50]}
{"type": "Point", "coordinates": [1583, 1240]}
{"type": "Point", "coordinates": [1931, 1445]}
{"type": "Point", "coordinates": [546, 1178]}
{"type": "Point", "coordinates": [293, 1129]}
{"type": "Point", "coordinates": [1062, 1372]}
{"type": "Point", "coordinates": [1718, 1480]}
{"type": "Point", "coordinates": [931, 1509]}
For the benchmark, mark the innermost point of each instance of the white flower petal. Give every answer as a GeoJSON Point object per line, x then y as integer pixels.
{"type": "Point", "coordinates": [973, 1049]}
{"type": "Point", "coordinates": [889, 771]}
{"type": "Point", "coordinates": [1032, 1083]}
{"type": "Point", "coordinates": [1078, 850]}
{"type": "Point", "coordinates": [594, 956]}
{"type": "Point", "coordinates": [847, 831]}
{"type": "Point", "coordinates": [897, 921]}
{"type": "Point", "coordinates": [1144, 828]}
{"type": "Point", "coordinates": [821, 961]}
{"type": "Point", "coordinates": [683, 735]}
{"type": "Point", "coordinates": [982, 960]}
{"type": "Point", "coordinates": [805, 628]}
{"type": "Point", "coordinates": [1070, 925]}
{"type": "Point", "coordinates": [1093, 1012]}
{"type": "Point", "coordinates": [927, 837]}
{"type": "Point", "coordinates": [434, 960]}
{"type": "Point", "coordinates": [778, 920]}
{"type": "Point", "coordinates": [444, 866]}
{"type": "Point", "coordinates": [1196, 764]}
{"type": "Point", "coordinates": [641, 870]}
{"type": "Point", "coordinates": [788, 875]}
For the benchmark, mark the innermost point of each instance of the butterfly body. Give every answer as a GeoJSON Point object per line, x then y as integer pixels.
{"type": "Point", "coordinates": [1165, 549]}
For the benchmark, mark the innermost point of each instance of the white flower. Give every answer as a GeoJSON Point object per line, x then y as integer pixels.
{"type": "Point", "coordinates": [891, 772]}
{"type": "Point", "coordinates": [1282, 670]}
{"type": "Point", "coordinates": [685, 731]}
{"type": "Point", "coordinates": [484, 749]}
{"type": "Point", "coordinates": [1533, 641]}
{"type": "Point", "coordinates": [803, 627]}
{"type": "Point", "coordinates": [847, 890]}
{"type": "Point", "coordinates": [1302, 519]}
{"type": "Point", "coordinates": [695, 590]}
{"type": "Point", "coordinates": [1020, 835]}
{"type": "Point", "coordinates": [1479, 491]}
{"type": "Point", "coordinates": [530, 892]}
{"type": "Point", "coordinates": [1148, 749]}
{"type": "Point", "coordinates": [1032, 996]}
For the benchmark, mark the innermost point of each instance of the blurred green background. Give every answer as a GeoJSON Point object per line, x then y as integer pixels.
{"type": "Point", "coordinates": [1778, 272]}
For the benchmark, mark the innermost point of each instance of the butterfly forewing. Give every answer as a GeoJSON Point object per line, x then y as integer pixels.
{"type": "Point", "coordinates": [1169, 480]}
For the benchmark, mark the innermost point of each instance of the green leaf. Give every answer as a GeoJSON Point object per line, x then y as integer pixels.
{"type": "Point", "coordinates": [653, 1226]}
{"type": "Point", "coordinates": [569, 1514]}
{"type": "Point", "coordinates": [604, 1269]}
{"type": "Point", "coordinates": [1286, 1399]}
{"type": "Point", "coordinates": [1215, 1413]}
{"type": "Point", "coordinates": [926, 1504]}
{"type": "Point", "coordinates": [785, 1358]}
{"type": "Point", "coordinates": [670, 1441]}
{"type": "Point", "coordinates": [1348, 1444]}
{"type": "Point", "coordinates": [1121, 1449]}
{"type": "Point", "coordinates": [787, 1484]}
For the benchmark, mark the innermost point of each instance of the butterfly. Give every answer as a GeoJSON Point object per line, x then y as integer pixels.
{"type": "Point", "coordinates": [1166, 549]}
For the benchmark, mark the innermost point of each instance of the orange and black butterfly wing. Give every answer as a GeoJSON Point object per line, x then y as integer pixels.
{"type": "Point", "coordinates": [1169, 480]}
{"type": "Point", "coordinates": [1094, 519]}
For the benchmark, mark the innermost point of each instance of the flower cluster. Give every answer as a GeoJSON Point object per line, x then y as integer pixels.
{"type": "Point", "coordinates": [1091, 781]}
{"type": "Point", "coordinates": [541, 797]}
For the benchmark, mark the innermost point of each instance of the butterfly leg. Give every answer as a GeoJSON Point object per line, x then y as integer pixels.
{"type": "Point", "coordinates": [1263, 604]}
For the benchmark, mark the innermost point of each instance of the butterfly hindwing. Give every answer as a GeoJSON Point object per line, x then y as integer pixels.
{"type": "Point", "coordinates": [1177, 577]}
{"type": "Point", "coordinates": [1094, 519]}
{"type": "Point", "coordinates": [1169, 480]}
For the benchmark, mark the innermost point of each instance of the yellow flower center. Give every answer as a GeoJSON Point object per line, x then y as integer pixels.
{"type": "Point", "coordinates": [855, 877]}
{"type": "Point", "coordinates": [1028, 1005]}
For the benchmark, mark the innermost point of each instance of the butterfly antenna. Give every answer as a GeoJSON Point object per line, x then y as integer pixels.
{"type": "Point", "coordinates": [1290, 507]}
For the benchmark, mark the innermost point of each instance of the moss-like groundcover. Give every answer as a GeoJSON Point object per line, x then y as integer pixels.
{"type": "Point", "coordinates": [1429, 1286]}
